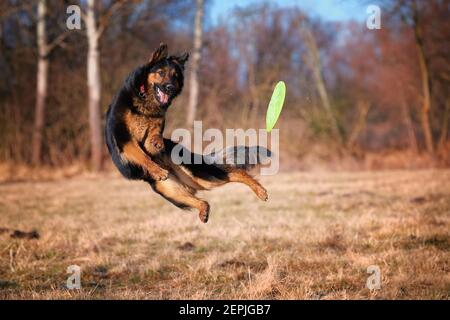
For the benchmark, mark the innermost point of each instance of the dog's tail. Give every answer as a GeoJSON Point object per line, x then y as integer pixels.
{"type": "Point", "coordinates": [240, 157]}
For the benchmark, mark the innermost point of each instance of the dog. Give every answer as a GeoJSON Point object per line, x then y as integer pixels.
{"type": "Point", "coordinates": [134, 137]}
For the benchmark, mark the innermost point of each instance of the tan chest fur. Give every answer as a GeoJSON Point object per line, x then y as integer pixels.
{"type": "Point", "coordinates": [142, 127]}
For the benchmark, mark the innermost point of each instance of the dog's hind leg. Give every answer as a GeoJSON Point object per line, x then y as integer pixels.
{"type": "Point", "coordinates": [182, 196]}
{"type": "Point", "coordinates": [241, 176]}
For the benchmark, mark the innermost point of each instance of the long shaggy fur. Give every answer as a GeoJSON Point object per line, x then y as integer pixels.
{"type": "Point", "coordinates": [134, 127]}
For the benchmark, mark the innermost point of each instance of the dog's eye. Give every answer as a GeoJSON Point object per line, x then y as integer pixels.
{"type": "Point", "coordinates": [161, 73]}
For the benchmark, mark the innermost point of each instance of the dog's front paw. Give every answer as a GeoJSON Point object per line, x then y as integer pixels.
{"type": "Point", "coordinates": [159, 174]}
{"type": "Point", "coordinates": [157, 142]}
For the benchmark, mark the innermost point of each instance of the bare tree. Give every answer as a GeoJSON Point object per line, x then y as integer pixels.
{"type": "Point", "coordinates": [425, 78]}
{"type": "Point", "coordinates": [363, 109]}
{"type": "Point", "coordinates": [411, 13]}
{"type": "Point", "coordinates": [193, 79]}
{"type": "Point", "coordinates": [94, 31]}
{"type": "Point", "coordinates": [313, 62]}
{"type": "Point", "coordinates": [409, 125]}
{"type": "Point", "coordinates": [94, 86]}
{"type": "Point", "coordinates": [41, 83]}
{"type": "Point", "coordinates": [44, 49]}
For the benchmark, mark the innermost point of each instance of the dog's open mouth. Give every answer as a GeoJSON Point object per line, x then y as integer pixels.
{"type": "Point", "coordinates": [162, 97]}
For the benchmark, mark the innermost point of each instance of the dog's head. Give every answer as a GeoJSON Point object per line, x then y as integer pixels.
{"type": "Point", "coordinates": [165, 75]}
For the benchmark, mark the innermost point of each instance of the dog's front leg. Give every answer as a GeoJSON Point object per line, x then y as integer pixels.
{"type": "Point", "coordinates": [133, 153]}
{"type": "Point", "coordinates": [154, 141]}
{"type": "Point", "coordinates": [154, 144]}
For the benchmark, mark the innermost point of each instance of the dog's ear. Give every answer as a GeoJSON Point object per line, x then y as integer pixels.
{"type": "Point", "coordinates": [181, 59]}
{"type": "Point", "coordinates": [159, 54]}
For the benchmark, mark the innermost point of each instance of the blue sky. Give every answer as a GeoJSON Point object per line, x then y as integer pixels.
{"type": "Point", "coordinates": [331, 10]}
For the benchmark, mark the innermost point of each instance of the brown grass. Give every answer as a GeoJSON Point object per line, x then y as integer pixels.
{"type": "Point", "coordinates": [313, 239]}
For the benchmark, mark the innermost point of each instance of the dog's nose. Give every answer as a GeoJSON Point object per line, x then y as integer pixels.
{"type": "Point", "coordinates": [169, 87]}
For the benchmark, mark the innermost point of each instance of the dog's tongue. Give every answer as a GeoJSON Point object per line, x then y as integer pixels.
{"type": "Point", "coordinates": [164, 98]}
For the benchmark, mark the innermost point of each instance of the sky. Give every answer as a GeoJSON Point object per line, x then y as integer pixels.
{"type": "Point", "coordinates": [330, 10]}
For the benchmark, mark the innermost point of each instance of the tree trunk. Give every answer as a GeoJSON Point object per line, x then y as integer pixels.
{"type": "Point", "coordinates": [363, 108]}
{"type": "Point", "coordinates": [315, 65]}
{"type": "Point", "coordinates": [94, 87]}
{"type": "Point", "coordinates": [41, 84]}
{"type": "Point", "coordinates": [409, 126]}
{"type": "Point", "coordinates": [444, 130]}
{"type": "Point", "coordinates": [193, 79]}
{"type": "Point", "coordinates": [426, 95]}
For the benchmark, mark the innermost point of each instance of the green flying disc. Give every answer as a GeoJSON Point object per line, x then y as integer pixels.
{"type": "Point", "coordinates": [275, 105]}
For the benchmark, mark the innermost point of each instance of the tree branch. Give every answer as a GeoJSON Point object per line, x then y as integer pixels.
{"type": "Point", "coordinates": [58, 41]}
{"type": "Point", "coordinates": [105, 18]}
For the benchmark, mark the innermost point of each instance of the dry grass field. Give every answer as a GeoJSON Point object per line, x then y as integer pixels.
{"type": "Point", "coordinates": [313, 239]}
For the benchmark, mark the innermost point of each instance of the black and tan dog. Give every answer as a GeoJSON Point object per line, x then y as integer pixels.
{"type": "Point", "coordinates": [134, 135]}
